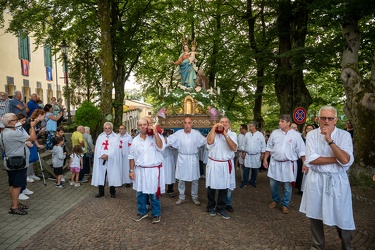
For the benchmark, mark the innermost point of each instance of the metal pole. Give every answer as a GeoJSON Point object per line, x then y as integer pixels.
{"type": "Point", "coordinates": [67, 88]}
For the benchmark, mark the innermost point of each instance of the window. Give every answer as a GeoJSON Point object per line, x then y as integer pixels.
{"type": "Point", "coordinates": [39, 90]}
{"type": "Point", "coordinates": [49, 93]}
{"type": "Point", "coordinates": [26, 90]}
{"type": "Point", "coordinates": [9, 87]}
{"type": "Point", "coordinates": [24, 47]}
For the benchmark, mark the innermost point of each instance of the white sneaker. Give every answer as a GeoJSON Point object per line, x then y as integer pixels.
{"type": "Point", "coordinates": [77, 185]}
{"type": "Point", "coordinates": [34, 177]}
{"type": "Point", "coordinates": [23, 197]}
{"type": "Point", "coordinates": [27, 191]}
{"type": "Point", "coordinates": [72, 183]}
{"type": "Point", "coordinates": [29, 179]}
{"type": "Point", "coordinates": [63, 179]}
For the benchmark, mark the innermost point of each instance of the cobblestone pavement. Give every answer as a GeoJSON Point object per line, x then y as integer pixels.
{"type": "Point", "coordinates": [72, 218]}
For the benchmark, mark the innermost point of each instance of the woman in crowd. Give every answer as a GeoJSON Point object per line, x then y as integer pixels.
{"type": "Point", "coordinates": [51, 125]}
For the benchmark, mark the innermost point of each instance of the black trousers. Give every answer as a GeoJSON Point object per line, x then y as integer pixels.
{"type": "Point", "coordinates": [86, 167]}
{"type": "Point", "coordinates": [112, 189]}
{"type": "Point", "coordinates": [221, 199]}
{"type": "Point", "coordinates": [170, 188]}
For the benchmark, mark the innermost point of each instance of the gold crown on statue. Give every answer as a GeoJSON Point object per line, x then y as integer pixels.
{"type": "Point", "coordinates": [194, 43]}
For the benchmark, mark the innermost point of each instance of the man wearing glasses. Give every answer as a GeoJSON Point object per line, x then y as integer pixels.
{"type": "Point", "coordinates": [327, 197]}
{"type": "Point", "coordinates": [107, 161]}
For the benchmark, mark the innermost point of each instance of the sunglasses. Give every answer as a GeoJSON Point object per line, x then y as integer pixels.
{"type": "Point", "coordinates": [323, 118]}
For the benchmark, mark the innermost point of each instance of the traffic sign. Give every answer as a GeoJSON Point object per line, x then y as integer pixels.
{"type": "Point", "coordinates": [299, 115]}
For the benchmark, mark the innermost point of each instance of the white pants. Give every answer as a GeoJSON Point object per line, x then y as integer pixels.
{"type": "Point", "coordinates": [194, 189]}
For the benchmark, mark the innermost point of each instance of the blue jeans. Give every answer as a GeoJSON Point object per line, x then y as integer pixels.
{"type": "Point", "coordinates": [228, 200]}
{"type": "Point", "coordinates": [142, 201]}
{"type": "Point", "coordinates": [253, 178]}
{"type": "Point", "coordinates": [254, 175]}
{"type": "Point", "coordinates": [287, 192]}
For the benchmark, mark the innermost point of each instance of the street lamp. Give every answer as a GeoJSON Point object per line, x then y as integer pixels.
{"type": "Point", "coordinates": [64, 51]}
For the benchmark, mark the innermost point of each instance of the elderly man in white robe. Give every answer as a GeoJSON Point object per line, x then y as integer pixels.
{"type": "Point", "coordinates": [220, 175]}
{"type": "Point", "coordinates": [187, 142]}
{"type": "Point", "coordinates": [327, 198]}
{"type": "Point", "coordinates": [285, 146]}
{"type": "Point", "coordinates": [107, 161]}
{"type": "Point", "coordinates": [125, 142]}
{"type": "Point", "coordinates": [145, 160]}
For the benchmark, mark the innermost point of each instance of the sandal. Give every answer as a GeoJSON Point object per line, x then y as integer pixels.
{"type": "Point", "coordinates": [22, 206]}
{"type": "Point", "coordinates": [17, 211]}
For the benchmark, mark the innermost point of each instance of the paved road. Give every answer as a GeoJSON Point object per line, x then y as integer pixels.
{"type": "Point", "coordinates": [72, 218]}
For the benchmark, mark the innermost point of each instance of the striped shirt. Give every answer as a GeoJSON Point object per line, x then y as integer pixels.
{"type": "Point", "coordinates": [4, 107]}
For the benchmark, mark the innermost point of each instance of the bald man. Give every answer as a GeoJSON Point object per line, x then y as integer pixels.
{"type": "Point", "coordinates": [187, 141]}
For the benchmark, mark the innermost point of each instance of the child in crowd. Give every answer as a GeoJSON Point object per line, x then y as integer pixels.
{"type": "Point", "coordinates": [61, 133]}
{"type": "Point", "coordinates": [58, 157]}
{"type": "Point", "coordinates": [76, 164]}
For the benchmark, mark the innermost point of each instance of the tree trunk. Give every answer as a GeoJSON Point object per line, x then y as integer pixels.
{"type": "Point", "coordinates": [290, 88]}
{"type": "Point", "coordinates": [106, 58]}
{"type": "Point", "coordinates": [260, 63]}
{"type": "Point", "coordinates": [360, 104]}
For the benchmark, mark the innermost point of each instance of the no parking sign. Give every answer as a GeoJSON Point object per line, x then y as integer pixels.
{"type": "Point", "coordinates": [299, 115]}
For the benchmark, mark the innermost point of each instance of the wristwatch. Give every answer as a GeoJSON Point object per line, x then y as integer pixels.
{"type": "Point", "coordinates": [131, 171]}
{"type": "Point", "coordinates": [330, 143]}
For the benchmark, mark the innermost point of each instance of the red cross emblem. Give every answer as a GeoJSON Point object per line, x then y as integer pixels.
{"type": "Point", "coordinates": [105, 144]}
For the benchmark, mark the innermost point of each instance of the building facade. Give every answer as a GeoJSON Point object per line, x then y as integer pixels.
{"type": "Point", "coordinates": [29, 69]}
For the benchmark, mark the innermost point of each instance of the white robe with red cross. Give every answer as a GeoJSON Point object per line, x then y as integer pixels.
{"type": "Point", "coordinates": [109, 145]}
{"type": "Point", "coordinates": [125, 143]}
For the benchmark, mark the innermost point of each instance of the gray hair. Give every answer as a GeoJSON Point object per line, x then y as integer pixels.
{"type": "Point", "coordinates": [7, 118]}
{"type": "Point", "coordinates": [255, 124]}
{"type": "Point", "coordinates": [286, 118]}
{"type": "Point", "coordinates": [87, 129]}
{"type": "Point", "coordinates": [108, 123]}
{"type": "Point", "coordinates": [17, 92]}
{"type": "Point", "coordinates": [328, 108]}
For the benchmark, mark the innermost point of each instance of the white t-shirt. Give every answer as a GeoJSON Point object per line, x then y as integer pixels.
{"type": "Point", "coordinates": [76, 160]}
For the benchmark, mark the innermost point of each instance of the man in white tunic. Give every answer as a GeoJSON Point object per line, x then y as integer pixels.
{"type": "Point", "coordinates": [220, 175]}
{"type": "Point", "coordinates": [255, 147]}
{"type": "Point", "coordinates": [241, 147]}
{"type": "Point", "coordinates": [327, 198]}
{"type": "Point", "coordinates": [107, 161]}
{"type": "Point", "coordinates": [125, 142]}
{"type": "Point", "coordinates": [285, 146]}
{"type": "Point", "coordinates": [187, 142]}
{"type": "Point", "coordinates": [169, 166]}
{"type": "Point", "coordinates": [145, 159]}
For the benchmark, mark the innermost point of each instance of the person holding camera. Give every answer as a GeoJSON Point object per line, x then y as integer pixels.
{"type": "Point", "coordinates": [16, 159]}
{"type": "Point", "coordinates": [221, 144]}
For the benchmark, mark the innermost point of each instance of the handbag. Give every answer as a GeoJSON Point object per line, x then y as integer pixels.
{"type": "Point", "coordinates": [33, 153]}
{"type": "Point", "coordinates": [14, 162]}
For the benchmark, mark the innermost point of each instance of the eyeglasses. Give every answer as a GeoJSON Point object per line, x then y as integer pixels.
{"type": "Point", "coordinates": [323, 118]}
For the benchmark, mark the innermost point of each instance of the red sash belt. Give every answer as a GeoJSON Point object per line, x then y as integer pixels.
{"type": "Point", "coordinates": [158, 191]}
{"type": "Point", "coordinates": [229, 163]}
